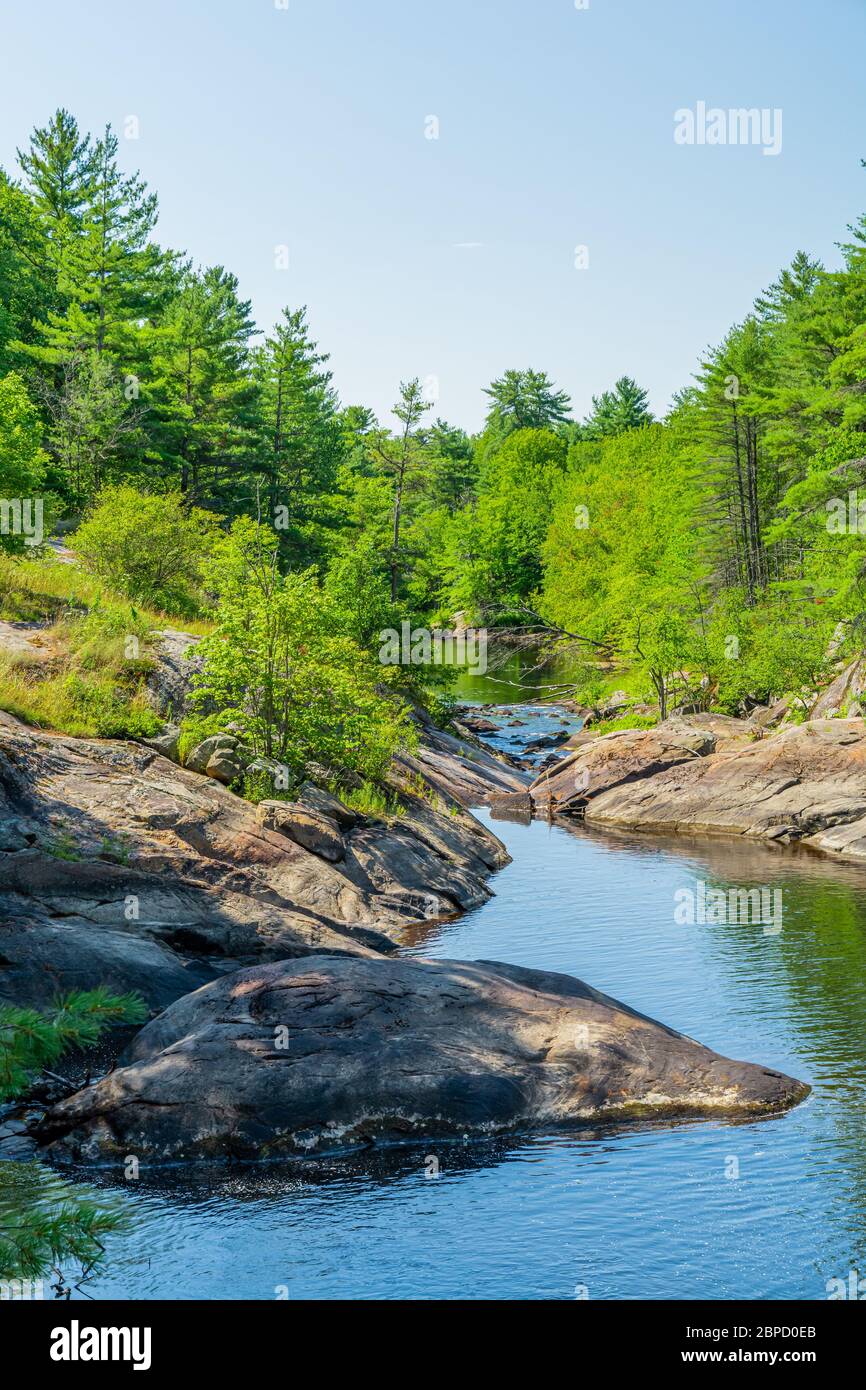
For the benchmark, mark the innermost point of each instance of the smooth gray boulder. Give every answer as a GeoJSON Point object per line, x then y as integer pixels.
{"type": "Point", "coordinates": [175, 662]}
{"type": "Point", "coordinates": [312, 1055]}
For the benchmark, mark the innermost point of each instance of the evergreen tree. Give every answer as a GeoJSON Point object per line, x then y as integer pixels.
{"type": "Point", "coordinates": [28, 284]}
{"type": "Point", "coordinates": [41, 1222]}
{"type": "Point", "coordinates": [61, 168]}
{"type": "Point", "coordinates": [109, 276]}
{"type": "Point", "coordinates": [453, 469]}
{"type": "Point", "coordinates": [405, 459]}
{"type": "Point", "coordinates": [200, 390]}
{"type": "Point", "coordinates": [302, 434]}
{"type": "Point", "coordinates": [729, 429]}
{"type": "Point", "coordinates": [614, 412]}
{"type": "Point", "coordinates": [358, 425]}
{"type": "Point", "coordinates": [524, 400]}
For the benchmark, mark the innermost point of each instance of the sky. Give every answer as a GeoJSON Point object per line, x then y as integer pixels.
{"type": "Point", "coordinates": [432, 166]}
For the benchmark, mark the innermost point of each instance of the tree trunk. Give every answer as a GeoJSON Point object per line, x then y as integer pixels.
{"type": "Point", "coordinates": [398, 505]}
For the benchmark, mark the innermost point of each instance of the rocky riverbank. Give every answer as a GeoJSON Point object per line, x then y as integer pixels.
{"type": "Point", "coordinates": [267, 933]}
{"type": "Point", "coordinates": [708, 774]}
{"type": "Point", "coordinates": [119, 867]}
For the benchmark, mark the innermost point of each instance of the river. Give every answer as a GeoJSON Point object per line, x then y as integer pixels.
{"type": "Point", "coordinates": [766, 1209]}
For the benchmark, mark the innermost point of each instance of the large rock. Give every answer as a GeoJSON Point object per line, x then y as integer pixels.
{"type": "Point", "coordinates": [197, 758]}
{"type": "Point", "coordinates": [843, 693]}
{"type": "Point", "coordinates": [806, 783]}
{"type": "Point", "coordinates": [41, 959]}
{"type": "Point", "coordinates": [618, 759]}
{"type": "Point", "coordinates": [27, 644]}
{"type": "Point", "coordinates": [315, 798]}
{"type": "Point", "coordinates": [461, 770]}
{"type": "Point", "coordinates": [224, 766]}
{"type": "Point", "coordinates": [309, 1055]}
{"type": "Point", "coordinates": [103, 842]}
{"type": "Point", "coordinates": [316, 832]}
{"type": "Point", "coordinates": [169, 683]}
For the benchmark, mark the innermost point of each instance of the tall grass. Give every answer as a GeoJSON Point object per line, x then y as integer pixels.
{"type": "Point", "coordinates": [373, 801]}
{"type": "Point", "coordinates": [97, 652]}
{"type": "Point", "coordinates": [43, 590]}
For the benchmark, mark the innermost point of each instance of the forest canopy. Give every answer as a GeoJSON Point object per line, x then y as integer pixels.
{"type": "Point", "coordinates": [718, 553]}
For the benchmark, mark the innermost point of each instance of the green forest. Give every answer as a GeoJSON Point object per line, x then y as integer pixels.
{"type": "Point", "coordinates": [204, 469]}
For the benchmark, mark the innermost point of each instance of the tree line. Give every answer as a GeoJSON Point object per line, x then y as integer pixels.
{"type": "Point", "coordinates": [693, 549]}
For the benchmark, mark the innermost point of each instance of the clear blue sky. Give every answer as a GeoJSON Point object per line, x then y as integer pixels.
{"type": "Point", "coordinates": [454, 257]}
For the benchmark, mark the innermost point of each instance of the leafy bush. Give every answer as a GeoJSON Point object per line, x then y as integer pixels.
{"type": "Point", "coordinates": [374, 801]}
{"type": "Point", "coordinates": [280, 667]}
{"type": "Point", "coordinates": [625, 721]}
{"type": "Point", "coordinates": [151, 548]}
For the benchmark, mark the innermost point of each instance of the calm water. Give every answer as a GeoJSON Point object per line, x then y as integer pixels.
{"type": "Point", "coordinates": [635, 1214]}
{"type": "Point", "coordinates": [517, 675]}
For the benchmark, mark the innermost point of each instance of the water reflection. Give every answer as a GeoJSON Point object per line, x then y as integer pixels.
{"type": "Point", "coordinates": [759, 1209]}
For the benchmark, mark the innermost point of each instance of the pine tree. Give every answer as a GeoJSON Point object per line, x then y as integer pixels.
{"type": "Point", "coordinates": [405, 458]}
{"type": "Point", "coordinates": [302, 435]}
{"type": "Point", "coordinates": [729, 429]}
{"type": "Point", "coordinates": [454, 469]}
{"type": "Point", "coordinates": [110, 272]}
{"type": "Point", "coordinates": [200, 393]}
{"type": "Point", "coordinates": [61, 168]}
{"type": "Point", "coordinates": [28, 283]}
{"type": "Point", "coordinates": [614, 412]}
{"type": "Point", "coordinates": [42, 1222]}
{"type": "Point", "coordinates": [524, 400]}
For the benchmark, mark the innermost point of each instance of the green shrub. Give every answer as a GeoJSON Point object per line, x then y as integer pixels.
{"type": "Point", "coordinates": [625, 721]}
{"type": "Point", "coordinates": [281, 668]}
{"type": "Point", "coordinates": [151, 548]}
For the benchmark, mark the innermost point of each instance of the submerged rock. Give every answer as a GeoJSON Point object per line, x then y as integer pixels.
{"type": "Point", "coordinates": [512, 806]}
{"type": "Point", "coordinates": [310, 1055]}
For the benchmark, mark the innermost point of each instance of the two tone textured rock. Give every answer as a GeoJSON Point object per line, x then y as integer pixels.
{"type": "Point", "coordinates": [305, 1056]}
